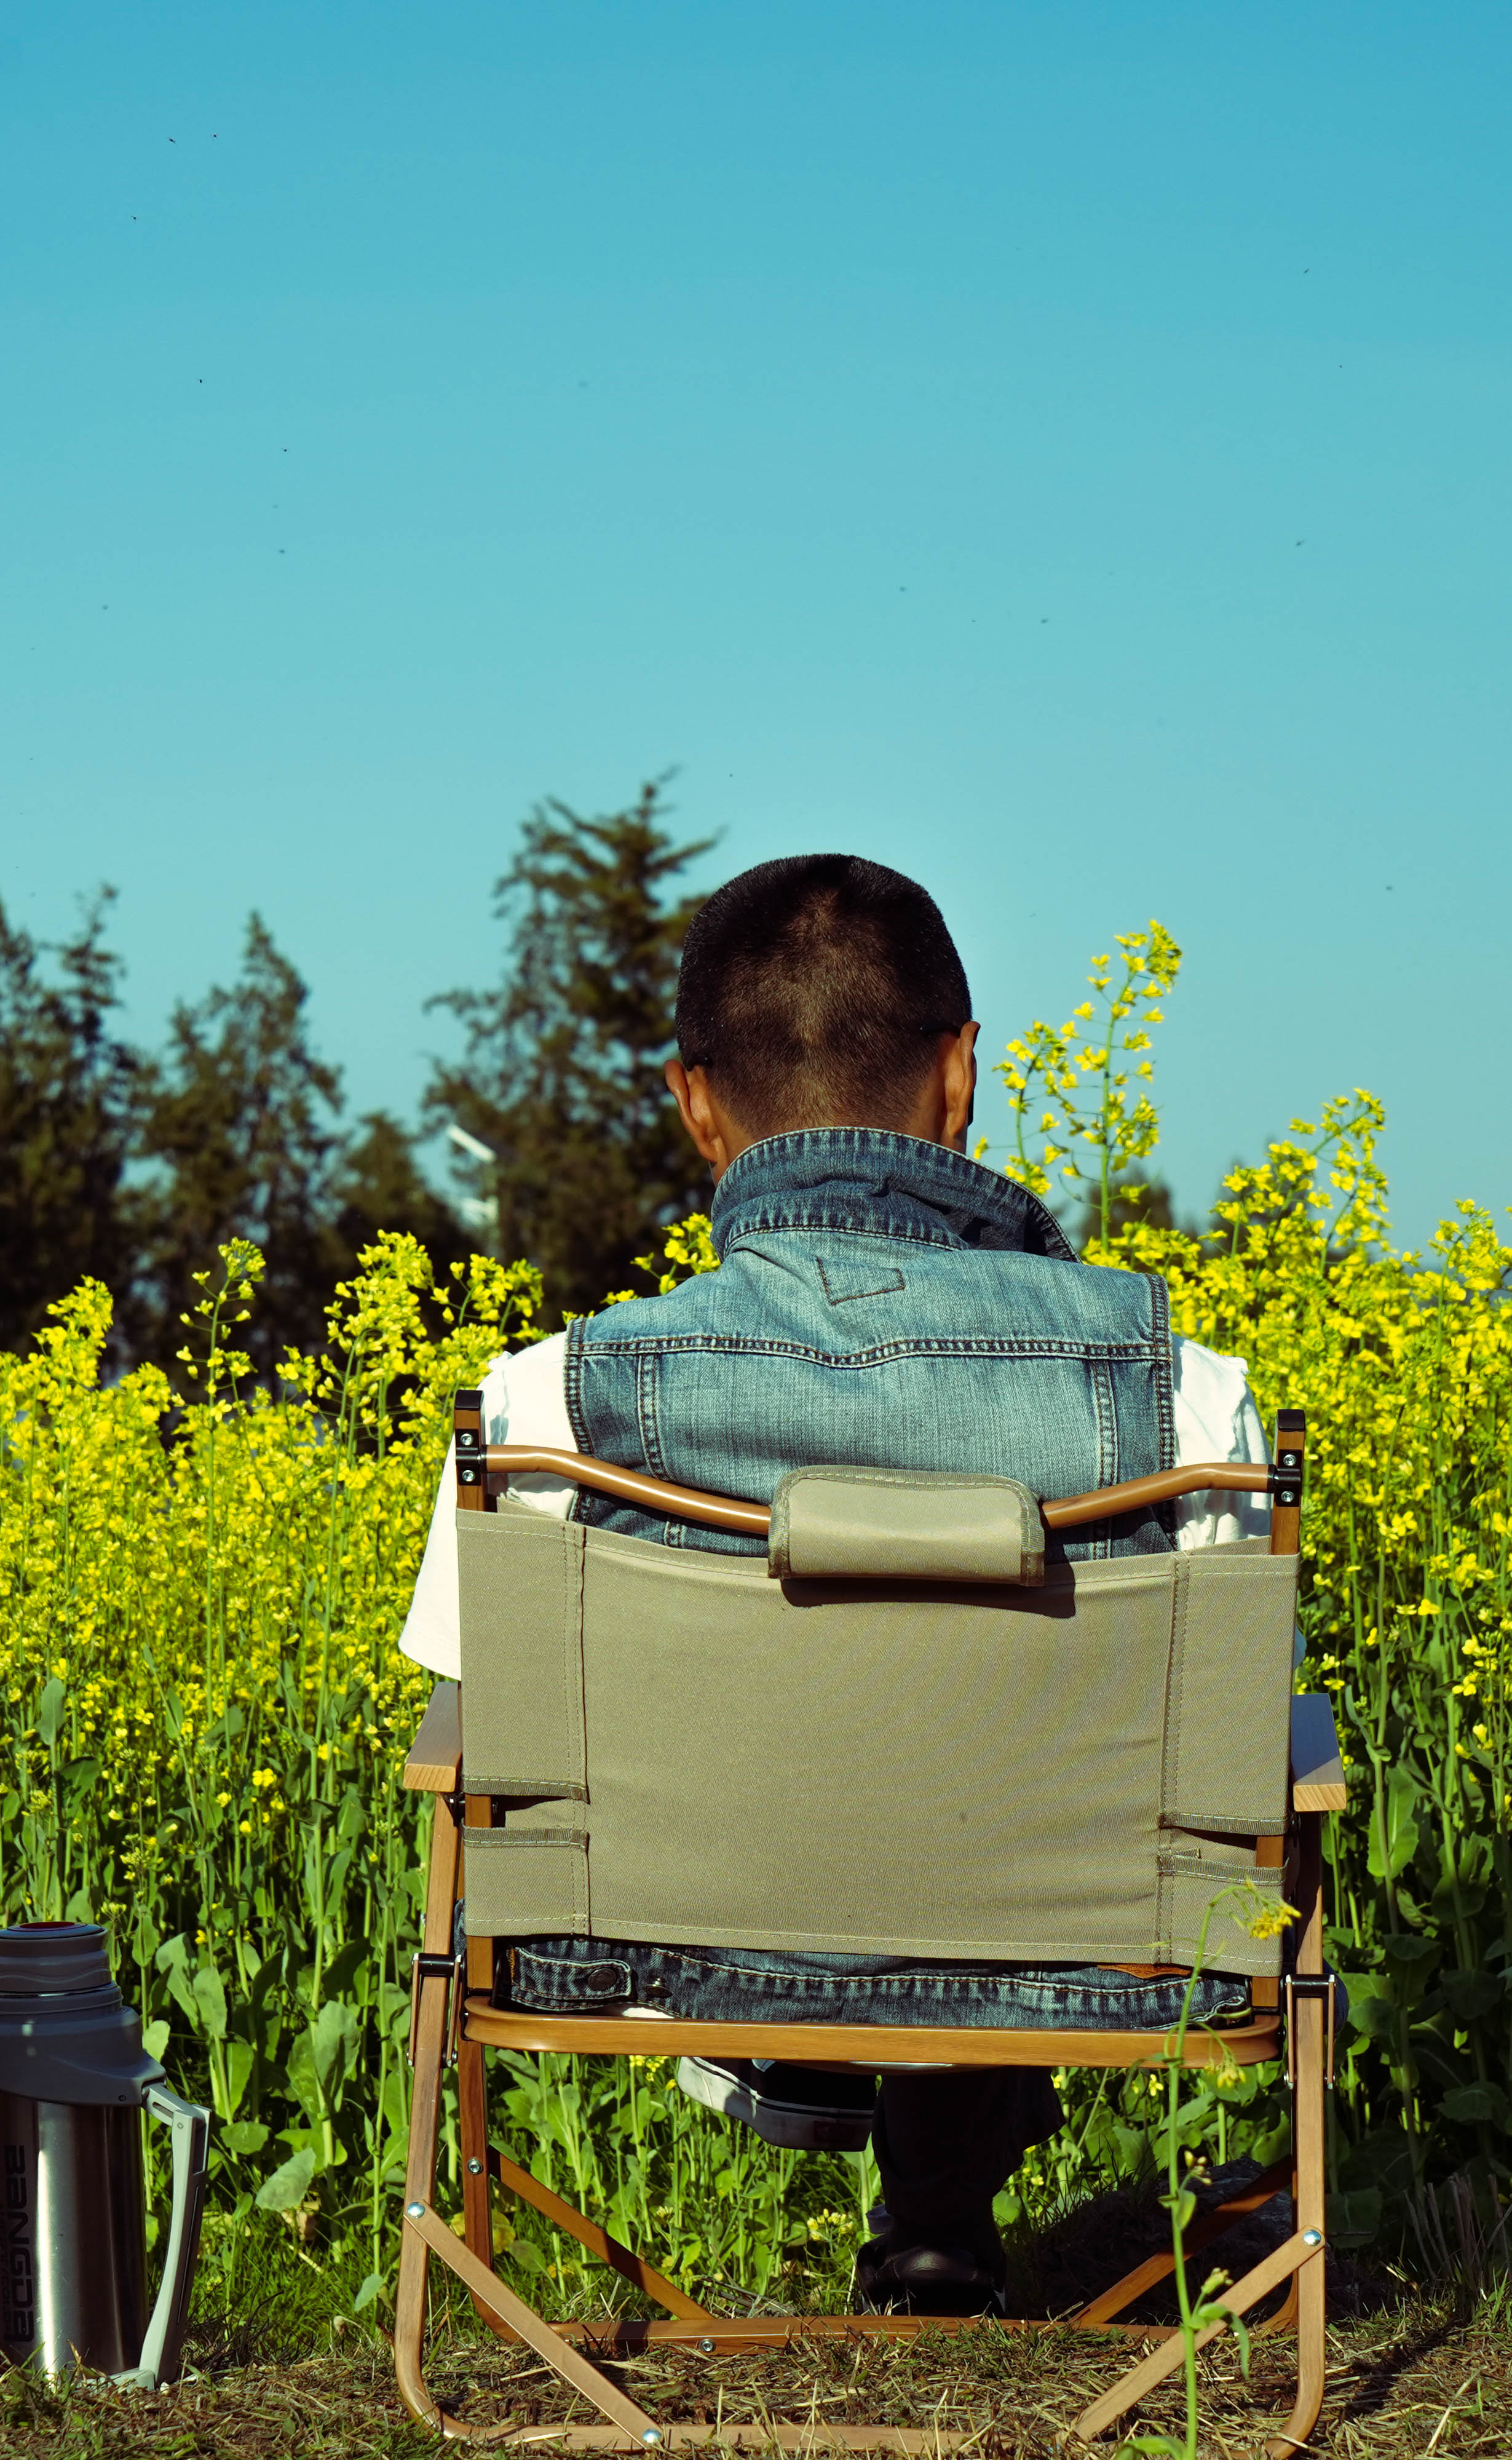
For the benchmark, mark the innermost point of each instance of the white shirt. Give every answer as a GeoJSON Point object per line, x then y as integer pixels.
{"type": "Point", "coordinates": [524, 1403]}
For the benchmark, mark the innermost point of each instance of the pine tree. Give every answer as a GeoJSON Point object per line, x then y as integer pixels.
{"type": "Point", "coordinates": [562, 1076]}
{"type": "Point", "coordinates": [68, 1100]}
{"type": "Point", "coordinates": [241, 1130]}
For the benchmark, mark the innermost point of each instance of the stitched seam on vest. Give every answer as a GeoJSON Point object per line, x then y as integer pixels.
{"type": "Point", "coordinates": [572, 1395]}
{"type": "Point", "coordinates": [1098, 1534]}
{"type": "Point", "coordinates": [757, 1225]}
{"type": "Point", "coordinates": [1164, 1384]}
{"type": "Point", "coordinates": [1116, 1353]}
{"type": "Point", "coordinates": [647, 1358]}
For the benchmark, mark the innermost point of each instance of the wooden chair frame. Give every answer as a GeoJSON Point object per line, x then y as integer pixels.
{"type": "Point", "coordinates": [453, 2020]}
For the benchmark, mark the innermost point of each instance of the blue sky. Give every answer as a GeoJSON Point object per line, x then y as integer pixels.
{"type": "Point", "coordinates": [1059, 450]}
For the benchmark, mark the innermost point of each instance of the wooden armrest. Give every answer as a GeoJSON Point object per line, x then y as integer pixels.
{"type": "Point", "coordinates": [434, 1765]}
{"type": "Point", "coordinates": [1317, 1771]}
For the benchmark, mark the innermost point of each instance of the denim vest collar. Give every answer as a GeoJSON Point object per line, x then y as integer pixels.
{"type": "Point", "coordinates": [872, 1179]}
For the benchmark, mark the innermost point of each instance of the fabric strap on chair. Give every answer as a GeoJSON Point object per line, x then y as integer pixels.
{"type": "Point", "coordinates": [890, 1524]}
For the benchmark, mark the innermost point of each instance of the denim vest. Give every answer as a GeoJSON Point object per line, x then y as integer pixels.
{"type": "Point", "coordinates": [883, 1302]}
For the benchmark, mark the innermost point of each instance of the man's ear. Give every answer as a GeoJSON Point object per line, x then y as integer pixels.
{"type": "Point", "coordinates": [698, 1114]}
{"type": "Point", "coordinates": [961, 1086]}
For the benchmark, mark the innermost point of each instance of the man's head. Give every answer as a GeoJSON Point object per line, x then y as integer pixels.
{"type": "Point", "coordinates": [821, 992]}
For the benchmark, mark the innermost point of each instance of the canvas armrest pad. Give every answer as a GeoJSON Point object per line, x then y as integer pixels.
{"type": "Point", "coordinates": [890, 1524]}
{"type": "Point", "coordinates": [434, 1765]}
{"type": "Point", "coordinates": [1318, 1768]}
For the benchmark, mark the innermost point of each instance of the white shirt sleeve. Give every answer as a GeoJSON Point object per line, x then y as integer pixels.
{"type": "Point", "coordinates": [523, 1403]}
{"type": "Point", "coordinates": [1216, 1420]}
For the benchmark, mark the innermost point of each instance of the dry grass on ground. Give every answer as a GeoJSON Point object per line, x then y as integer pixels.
{"type": "Point", "coordinates": [1406, 2382]}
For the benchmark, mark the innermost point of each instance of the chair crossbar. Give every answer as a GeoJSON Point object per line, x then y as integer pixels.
{"type": "Point", "coordinates": [864, 2046]}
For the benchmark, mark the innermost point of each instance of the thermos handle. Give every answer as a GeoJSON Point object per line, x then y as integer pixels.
{"type": "Point", "coordinates": [191, 2148]}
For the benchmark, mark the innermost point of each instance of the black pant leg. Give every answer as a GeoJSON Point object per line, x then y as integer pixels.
{"type": "Point", "coordinates": [946, 2139]}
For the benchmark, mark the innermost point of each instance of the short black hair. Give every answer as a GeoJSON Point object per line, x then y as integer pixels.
{"type": "Point", "coordinates": [812, 990]}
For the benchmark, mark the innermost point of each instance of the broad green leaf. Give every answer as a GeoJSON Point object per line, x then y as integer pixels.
{"type": "Point", "coordinates": [1382, 2158]}
{"type": "Point", "coordinates": [210, 1997]}
{"type": "Point", "coordinates": [336, 2031]}
{"type": "Point", "coordinates": [240, 2060]}
{"type": "Point", "coordinates": [155, 2037]}
{"type": "Point", "coordinates": [1468, 1995]}
{"type": "Point", "coordinates": [344, 1969]}
{"type": "Point", "coordinates": [1270, 2143]}
{"type": "Point", "coordinates": [49, 1712]}
{"type": "Point", "coordinates": [78, 1779]}
{"type": "Point", "coordinates": [1471, 2105]}
{"type": "Point", "coordinates": [181, 1989]}
{"type": "Point", "coordinates": [245, 2135]}
{"type": "Point", "coordinates": [1464, 1901]}
{"type": "Point", "coordinates": [303, 2076]}
{"type": "Point", "coordinates": [313, 2140]}
{"type": "Point", "coordinates": [368, 2292]}
{"type": "Point", "coordinates": [1390, 1856]}
{"type": "Point", "coordinates": [527, 2255]}
{"type": "Point", "coordinates": [288, 2183]}
{"type": "Point", "coordinates": [1409, 1947]}
{"type": "Point", "coordinates": [1433, 2058]}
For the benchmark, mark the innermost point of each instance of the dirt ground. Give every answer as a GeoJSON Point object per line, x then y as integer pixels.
{"type": "Point", "coordinates": [1409, 2380]}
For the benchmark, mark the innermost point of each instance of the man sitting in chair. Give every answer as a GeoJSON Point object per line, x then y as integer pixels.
{"type": "Point", "coordinates": [882, 1301]}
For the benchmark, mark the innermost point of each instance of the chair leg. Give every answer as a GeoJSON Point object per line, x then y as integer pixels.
{"type": "Point", "coordinates": [424, 2120]}
{"type": "Point", "coordinates": [477, 2217]}
{"type": "Point", "coordinates": [1312, 2282]}
{"type": "Point", "coordinates": [1164, 2359]}
{"type": "Point", "coordinates": [490, 2294]}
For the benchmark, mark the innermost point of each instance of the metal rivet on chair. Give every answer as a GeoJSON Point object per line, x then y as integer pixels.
{"type": "Point", "coordinates": [651, 2435]}
{"type": "Point", "coordinates": [1311, 2237]}
{"type": "Point", "coordinates": [707, 2347]}
{"type": "Point", "coordinates": [474, 2165]}
{"type": "Point", "coordinates": [415, 2211]}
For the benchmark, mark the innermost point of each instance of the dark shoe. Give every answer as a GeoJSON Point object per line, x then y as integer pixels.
{"type": "Point", "coordinates": [803, 2110]}
{"type": "Point", "coordinates": [927, 2281]}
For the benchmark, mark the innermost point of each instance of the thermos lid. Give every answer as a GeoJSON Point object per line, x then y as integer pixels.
{"type": "Point", "coordinates": [53, 1956]}
{"type": "Point", "coordinates": [65, 2032]}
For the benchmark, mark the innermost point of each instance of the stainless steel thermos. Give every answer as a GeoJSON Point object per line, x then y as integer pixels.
{"type": "Point", "coordinates": [73, 2082]}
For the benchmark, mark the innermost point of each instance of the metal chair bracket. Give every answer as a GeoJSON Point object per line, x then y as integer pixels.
{"type": "Point", "coordinates": [426, 1967]}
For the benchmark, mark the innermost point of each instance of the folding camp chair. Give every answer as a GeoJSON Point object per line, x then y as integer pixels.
{"type": "Point", "coordinates": [674, 1744]}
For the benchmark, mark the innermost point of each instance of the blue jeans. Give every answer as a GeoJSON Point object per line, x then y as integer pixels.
{"type": "Point", "coordinates": [945, 2139]}
{"type": "Point", "coordinates": [755, 1985]}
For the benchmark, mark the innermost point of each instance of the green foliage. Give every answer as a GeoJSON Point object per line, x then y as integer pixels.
{"type": "Point", "coordinates": [68, 1092]}
{"type": "Point", "coordinates": [1103, 1044]}
{"type": "Point", "coordinates": [239, 1132]}
{"type": "Point", "coordinates": [562, 1076]}
{"type": "Point", "coordinates": [132, 1169]}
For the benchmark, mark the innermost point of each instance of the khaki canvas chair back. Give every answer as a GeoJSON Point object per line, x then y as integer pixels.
{"type": "Point", "coordinates": [690, 1752]}
{"type": "Point", "coordinates": [904, 1731]}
